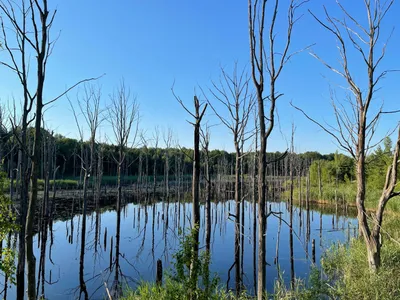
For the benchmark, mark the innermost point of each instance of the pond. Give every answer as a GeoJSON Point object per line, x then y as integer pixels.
{"type": "Point", "coordinates": [150, 232]}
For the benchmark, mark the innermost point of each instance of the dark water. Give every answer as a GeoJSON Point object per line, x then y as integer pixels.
{"type": "Point", "coordinates": [150, 232]}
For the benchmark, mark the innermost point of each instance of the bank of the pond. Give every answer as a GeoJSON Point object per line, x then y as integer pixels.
{"type": "Point", "coordinates": [343, 194]}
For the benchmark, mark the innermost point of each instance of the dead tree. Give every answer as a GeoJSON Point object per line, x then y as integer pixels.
{"type": "Point", "coordinates": [233, 93]}
{"type": "Point", "coordinates": [355, 121]}
{"type": "Point", "coordinates": [123, 115]}
{"type": "Point", "coordinates": [167, 137]}
{"type": "Point", "coordinates": [266, 58]}
{"type": "Point", "coordinates": [30, 25]}
{"type": "Point", "coordinates": [292, 279]}
{"type": "Point", "coordinates": [145, 149]}
{"type": "Point", "coordinates": [197, 116]}
{"type": "Point", "coordinates": [89, 106]}
{"type": "Point", "coordinates": [156, 139]}
{"type": "Point", "coordinates": [205, 141]}
{"type": "Point", "coordinates": [99, 177]}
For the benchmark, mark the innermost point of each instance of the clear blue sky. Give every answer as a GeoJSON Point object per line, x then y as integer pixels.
{"type": "Point", "coordinates": [152, 43]}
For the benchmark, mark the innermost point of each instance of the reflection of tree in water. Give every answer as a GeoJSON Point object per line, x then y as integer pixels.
{"type": "Point", "coordinates": [120, 266]}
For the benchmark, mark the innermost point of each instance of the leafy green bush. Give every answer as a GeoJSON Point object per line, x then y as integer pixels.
{"type": "Point", "coordinates": [178, 283]}
{"type": "Point", "coordinates": [7, 225]}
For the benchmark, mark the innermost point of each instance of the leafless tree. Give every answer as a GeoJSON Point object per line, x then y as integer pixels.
{"type": "Point", "coordinates": [89, 106]}
{"type": "Point", "coordinates": [123, 115]}
{"type": "Point", "coordinates": [232, 91]}
{"type": "Point", "coordinates": [205, 143]}
{"type": "Point", "coordinates": [167, 137]}
{"type": "Point", "coordinates": [198, 115]}
{"type": "Point", "coordinates": [145, 149]}
{"type": "Point", "coordinates": [292, 279]}
{"type": "Point", "coordinates": [156, 139]}
{"type": "Point", "coordinates": [267, 61]}
{"type": "Point", "coordinates": [356, 122]}
{"type": "Point", "coordinates": [26, 29]}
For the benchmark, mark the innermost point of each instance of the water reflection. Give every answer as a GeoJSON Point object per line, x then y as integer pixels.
{"type": "Point", "coordinates": [88, 258]}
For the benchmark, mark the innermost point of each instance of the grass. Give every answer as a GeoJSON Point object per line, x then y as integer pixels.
{"type": "Point", "coordinates": [112, 180]}
{"type": "Point", "coordinates": [66, 184]}
{"type": "Point", "coordinates": [60, 183]}
{"type": "Point", "coordinates": [347, 271]}
{"type": "Point", "coordinates": [175, 291]}
{"type": "Point", "coordinates": [345, 192]}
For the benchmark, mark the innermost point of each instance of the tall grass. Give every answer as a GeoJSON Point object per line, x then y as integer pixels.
{"type": "Point", "coordinates": [349, 276]}
{"type": "Point", "coordinates": [344, 193]}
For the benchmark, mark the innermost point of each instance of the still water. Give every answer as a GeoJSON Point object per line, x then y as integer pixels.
{"type": "Point", "coordinates": [150, 232]}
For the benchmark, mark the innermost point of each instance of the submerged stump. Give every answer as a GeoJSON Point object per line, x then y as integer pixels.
{"type": "Point", "coordinates": [159, 272]}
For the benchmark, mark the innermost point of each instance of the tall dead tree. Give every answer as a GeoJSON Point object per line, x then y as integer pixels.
{"type": "Point", "coordinates": [205, 143]}
{"type": "Point", "coordinates": [267, 61]}
{"type": "Point", "coordinates": [26, 29]}
{"type": "Point", "coordinates": [232, 91]}
{"type": "Point", "coordinates": [123, 115]}
{"type": "Point", "coordinates": [156, 139]}
{"type": "Point", "coordinates": [167, 137]}
{"type": "Point", "coordinates": [292, 279]}
{"type": "Point", "coordinates": [145, 150]}
{"type": "Point", "coordinates": [198, 115]}
{"type": "Point", "coordinates": [356, 121]}
{"type": "Point", "coordinates": [89, 106]}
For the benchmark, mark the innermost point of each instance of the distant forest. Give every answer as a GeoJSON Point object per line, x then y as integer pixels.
{"type": "Point", "coordinates": [65, 153]}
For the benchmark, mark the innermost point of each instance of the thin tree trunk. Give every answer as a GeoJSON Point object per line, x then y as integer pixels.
{"type": "Point", "coordinates": [237, 220]}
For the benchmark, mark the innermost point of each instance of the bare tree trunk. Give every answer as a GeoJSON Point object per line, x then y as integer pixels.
{"type": "Point", "coordinates": [237, 221]}
{"type": "Point", "coordinates": [273, 65]}
{"type": "Point", "coordinates": [196, 188]}
{"type": "Point", "coordinates": [82, 283]}
{"type": "Point", "coordinates": [198, 116]}
{"type": "Point", "coordinates": [319, 181]}
{"type": "Point", "coordinates": [205, 143]}
{"type": "Point", "coordinates": [292, 278]}
{"type": "Point", "coordinates": [117, 286]}
{"type": "Point", "coordinates": [30, 257]}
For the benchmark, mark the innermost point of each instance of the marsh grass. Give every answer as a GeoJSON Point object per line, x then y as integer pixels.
{"type": "Point", "coordinates": [347, 272]}
{"type": "Point", "coordinates": [345, 193]}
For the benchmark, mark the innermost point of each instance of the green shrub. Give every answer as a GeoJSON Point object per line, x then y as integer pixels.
{"type": "Point", "coordinates": [178, 283]}
{"type": "Point", "coordinates": [7, 225]}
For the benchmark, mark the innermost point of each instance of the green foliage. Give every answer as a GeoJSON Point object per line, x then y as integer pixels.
{"type": "Point", "coordinates": [7, 225]}
{"type": "Point", "coordinates": [377, 165]}
{"type": "Point", "coordinates": [192, 270]}
{"type": "Point", "coordinates": [315, 289]}
{"type": "Point", "coordinates": [340, 169]}
{"type": "Point", "coordinates": [60, 183]}
{"type": "Point", "coordinates": [184, 281]}
{"type": "Point", "coordinates": [350, 275]}
{"type": "Point", "coordinates": [338, 178]}
{"type": "Point", "coordinates": [174, 291]}
{"type": "Point", "coordinates": [347, 269]}
{"type": "Point", "coordinates": [7, 263]}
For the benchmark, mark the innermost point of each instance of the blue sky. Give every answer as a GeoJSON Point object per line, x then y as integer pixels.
{"type": "Point", "coordinates": [151, 44]}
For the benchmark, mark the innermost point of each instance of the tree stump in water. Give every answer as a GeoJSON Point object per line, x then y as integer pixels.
{"type": "Point", "coordinates": [159, 272]}
{"type": "Point", "coordinates": [313, 250]}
